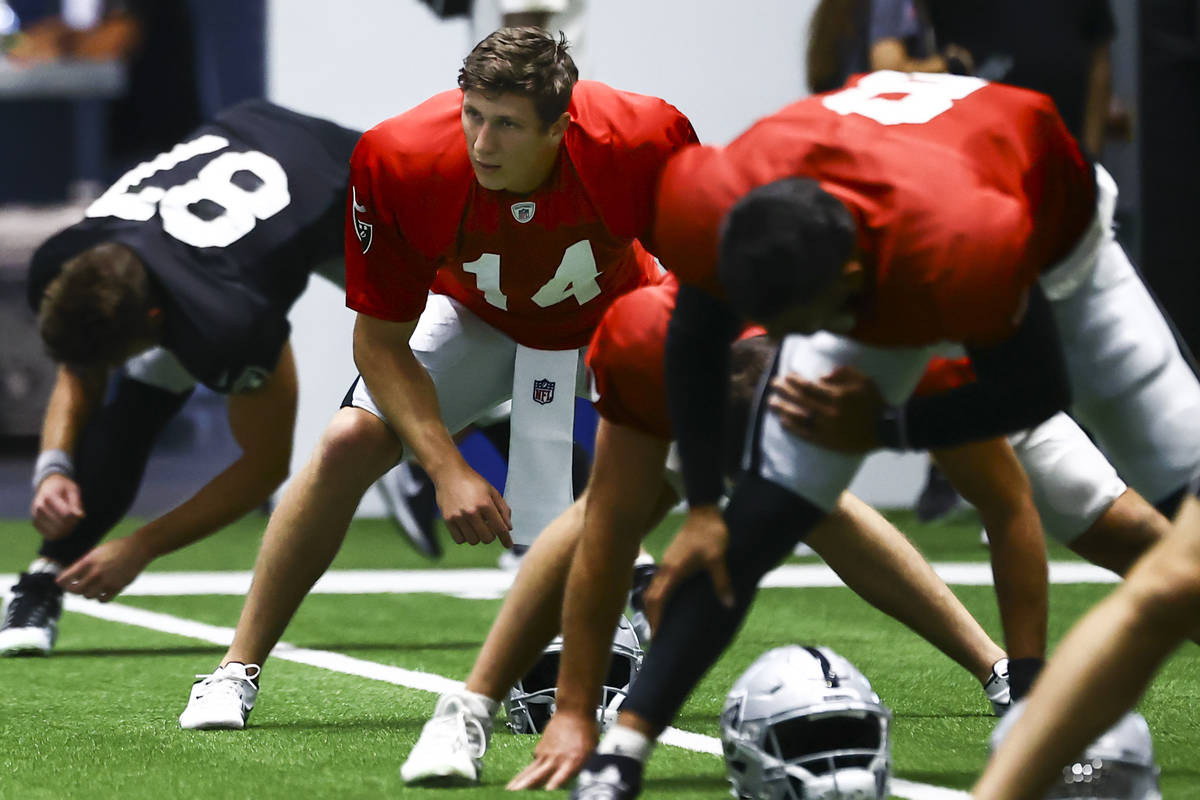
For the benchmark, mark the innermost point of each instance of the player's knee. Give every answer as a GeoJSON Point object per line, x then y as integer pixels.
{"type": "Point", "coordinates": [1166, 591]}
{"type": "Point", "coordinates": [357, 442]}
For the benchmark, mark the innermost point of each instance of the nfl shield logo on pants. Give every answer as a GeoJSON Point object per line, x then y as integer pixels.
{"type": "Point", "coordinates": [543, 391]}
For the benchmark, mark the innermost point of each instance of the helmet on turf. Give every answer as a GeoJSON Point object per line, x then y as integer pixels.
{"type": "Point", "coordinates": [803, 724]}
{"type": "Point", "coordinates": [531, 703]}
{"type": "Point", "coordinates": [1117, 766]}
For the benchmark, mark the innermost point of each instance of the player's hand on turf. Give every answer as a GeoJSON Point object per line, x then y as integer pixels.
{"type": "Point", "coordinates": [838, 412]}
{"type": "Point", "coordinates": [474, 511]}
{"type": "Point", "coordinates": [57, 506]}
{"type": "Point", "coordinates": [700, 544]}
{"type": "Point", "coordinates": [106, 569]}
{"type": "Point", "coordinates": [568, 739]}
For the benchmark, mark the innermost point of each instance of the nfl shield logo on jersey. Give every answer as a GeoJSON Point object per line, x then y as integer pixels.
{"type": "Point", "coordinates": [364, 230]}
{"type": "Point", "coordinates": [543, 391]}
{"type": "Point", "coordinates": [523, 212]}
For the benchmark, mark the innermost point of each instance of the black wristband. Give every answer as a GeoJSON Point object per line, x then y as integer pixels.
{"type": "Point", "coordinates": [891, 428]}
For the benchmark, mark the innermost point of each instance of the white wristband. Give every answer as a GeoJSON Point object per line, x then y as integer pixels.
{"type": "Point", "coordinates": [51, 462]}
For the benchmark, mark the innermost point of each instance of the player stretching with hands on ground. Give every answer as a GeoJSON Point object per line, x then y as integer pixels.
{"type": "Point", "coordinates": [827, 216]}
{"type": "Point", "coordinates": [182, 272]}
{"type": "Point", "coordinates": [487, 231]}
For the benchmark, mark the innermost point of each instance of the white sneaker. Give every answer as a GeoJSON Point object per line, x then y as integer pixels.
{"type": "Point", "coordinates": [451, 746]}
{"type": "Point", "coordinates": [223, 699]}
{"type": "Point", "coordinates": [997, 688]}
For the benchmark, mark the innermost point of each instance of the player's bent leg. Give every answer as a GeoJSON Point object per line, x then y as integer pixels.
{"type": "Point", "coordinates": [1129, 528]}
{"type": "Point", "coordinates": [308, 527]}
{"type": "Point", "coordinates": [454, 740]}
{"type": "Point", "coordinates": [879, 564]}
{"type": "Point", "coordinates": [1131, 386]}
{"type": "Point", "coordinates": [1103, 665]}
{"type": "Point", "coordinates": [765, 522]}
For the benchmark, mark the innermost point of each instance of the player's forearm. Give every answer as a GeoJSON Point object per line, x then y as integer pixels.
{"type": "Point", "coordinates": [244, 485]}
{"type": "Point", "coordinates": [697, 372]}
{"type": "Point", "coordinates": [72, 402]}
{"type": "Point", "coordinates": [1022, 381]}
{"type": "Point", "coordinates": [596, 588]}
{"type": "Point", "coordinates": [404, 392]}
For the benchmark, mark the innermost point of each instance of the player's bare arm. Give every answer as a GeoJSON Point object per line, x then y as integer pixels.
{"type": "Point", "coordinates": [626, 497]}
{"type": "Point", "coordinates": [261, 422]}
{"type": "Point", "coordinates": [58, 504]}
{"type": "Point", "coordinates": [475, 512]}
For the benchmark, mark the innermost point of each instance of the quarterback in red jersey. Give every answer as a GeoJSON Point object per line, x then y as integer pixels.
{"type": "Point", "coordinates": [486, 232]}
{"type": "Point", "coordinates": [899, 212]}
{"type": "Point", "coordinates": [627, 496]}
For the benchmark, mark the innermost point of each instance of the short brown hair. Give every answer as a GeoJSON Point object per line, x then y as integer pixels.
{"type": "Point", "coordinates": [526, 61]}
{"type": "Point", "coordinates": [97, 307]}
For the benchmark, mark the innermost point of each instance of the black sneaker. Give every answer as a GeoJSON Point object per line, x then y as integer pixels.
{"type": "Point", "coordinates": [411, 502]}
{"type": "Point", "coordinates": [642, 575]}
{"type": "Point", "coordinates": [608, 777]}
{"type": "Point", "coordinates": [31, 622]}
{"type": "Point", "coordinates": [938, 498]}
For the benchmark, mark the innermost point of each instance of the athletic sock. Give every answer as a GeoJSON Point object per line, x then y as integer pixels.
{"type": "Point", "coordinates": [480, 704]}
{"type": "Point", "coordinates": [45, 565]}
{"type": "Point", "coordinates": [622, 741]}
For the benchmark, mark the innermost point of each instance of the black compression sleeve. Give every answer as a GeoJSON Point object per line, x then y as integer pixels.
{"type": "Point", "coordinates": [1021, 382]}
{"type": "Point", "coordinates": [697, 369]}
{"type": "Point", "coordinates": [765, 522]}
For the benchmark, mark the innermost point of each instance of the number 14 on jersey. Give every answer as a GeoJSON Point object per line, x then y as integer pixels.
{"type": "Point", "coordinates": [575, 277]}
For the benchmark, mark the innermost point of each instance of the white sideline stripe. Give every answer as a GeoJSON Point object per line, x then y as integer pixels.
{"type": "Point", "coordinates": [491, 583]}
{"type": "Point", "coordinates": [413, 679]}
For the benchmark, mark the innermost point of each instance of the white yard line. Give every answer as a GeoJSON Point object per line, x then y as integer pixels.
{"type": "Point", "coordinates": [492, 583]}
{"type": "Point", "coordinates": [477, 583]}
{"type": "Point", "coordinates": [336, 662]}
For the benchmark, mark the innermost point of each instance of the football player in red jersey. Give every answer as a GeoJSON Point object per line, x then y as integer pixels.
{"type": "Point", "coordinates": [487, 230]}
{"type": "Point", "coordinates": [901, 211]}
{"type": "Point", "coordinates": [629, 494]}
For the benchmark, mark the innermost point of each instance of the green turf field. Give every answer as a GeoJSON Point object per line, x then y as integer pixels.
{"type": "Point", "coordinates": [98, 719]}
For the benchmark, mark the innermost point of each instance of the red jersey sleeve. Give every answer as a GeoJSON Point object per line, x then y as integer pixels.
{"type": "Point", "coordinates": [385, 276]}
{"type": "Point", "coordinates": [944, 374]}
{"type": "Point", "coordinates": [626, 359]}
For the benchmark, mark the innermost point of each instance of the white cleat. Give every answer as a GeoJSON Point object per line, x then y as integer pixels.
{"type": "Point", "coordinates": [451, 746]}
{"type": "Point", "coordinates": [997, 688]}
{"type": "Point", "coordinates": [223, 699]}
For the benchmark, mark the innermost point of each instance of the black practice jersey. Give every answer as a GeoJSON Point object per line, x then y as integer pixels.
{"type": "Point", "coordinates": [229, 223]}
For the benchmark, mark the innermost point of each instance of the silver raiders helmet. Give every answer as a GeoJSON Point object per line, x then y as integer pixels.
{"type": "Point", "coordinates": [1117, 766]}
{"type": "Point", "coordinates": [530, 703]}
{"type": "Point", "coordinates": [802, 723]}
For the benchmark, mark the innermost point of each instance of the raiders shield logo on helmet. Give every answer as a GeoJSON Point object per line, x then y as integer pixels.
{"type": "Point", "coordinates": [364, 230]}
{"type": "Point", "coordinates": [543, 391]}
{"type": "Point", "coordinates": [523, 212]}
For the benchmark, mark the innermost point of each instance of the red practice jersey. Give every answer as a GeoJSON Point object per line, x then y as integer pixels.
{"type": "Point", "coordinates": [626, 359]}
{"type": "Point", "coordinates": [963, 192]}
{"type": "Point", "coordinates": [541, 267]}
